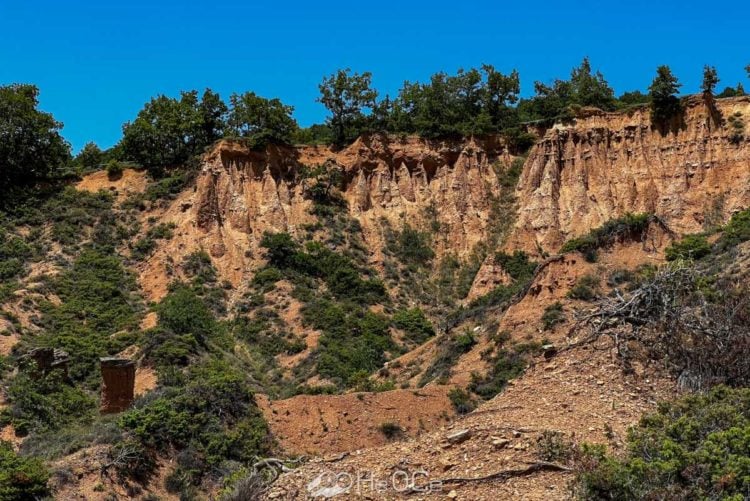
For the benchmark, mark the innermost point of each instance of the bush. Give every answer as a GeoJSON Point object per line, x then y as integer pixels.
{"type": "Point", "coordinates": [462, 401]}
{"type": "Point", "coordinates": [412, 247]}
{"type": "Point", "coordinates": [21, 478]}
{"type": "Point", "coordinates": [690, 247]}
{"type": "Point", "coordinates": [517, 265]}
{"type": "Point", "coordinates": [736, 231]}
{"type": "Point", "coordinates": [281, 249]}
{"type": "Point", "coordinates": [627, 226]}
{"type": "Point", "coordinates": [184, 313]}
{"type": "Point", "coordinates": [187, 416]}
{"type": "Point", "coordinates": [585, 289]}
{"type": "Point", "coordinates": [414, 323]}
{"type": "Point", "coordinates": [693, 448]}
{"type": "Point", "coordinates": [266, 277]}
{"type": "Point", "coordinates": [132, 460]}
{"type": "Point", "coordinates": [552, 446]}
{"type": "Point", "coordinates": [553, 315]}
{"type": "Point", "coordinates": [39, 404]}
{"type": "Point", "coordinates": [506, 364]}
{"type": "Point", "coordinates": [391, 430]}
{"type": "Point", "coordinates": [167, 188]}
{"type": "Point", "coordinates": [97, 301]}
{"type": "Point", "coordinates": [114, 169]}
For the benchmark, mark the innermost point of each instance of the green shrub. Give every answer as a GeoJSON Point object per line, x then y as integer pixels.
{"type": "Point", "coordinates": [506, 364]}
{"type": "Point", "coordinates": [21, 478]}
{"type": "Point", "coordinates": [414, 323]}
{"type": "Point", "coordinates": [199, 268]}
{"type": "Point", "coordinates": [266, 277]}
{"type": "Point", "coordinates": [351, 341]}
{"type": "Point", "coordinates": [461, 400]}
{"type": "Point", "coordinates": [167, 188]}
{"type": "Point", "coordinates": [97, 300]}
{"type": "Point", "coordinates": [553, 315]}
{"type": "Point", "coordinates": [553, 446]}
{"type": "Point", "coordinates": [412, 247]}
{"type": "Point", "coordinates": [391, 430]}
{"type": "Point", "coordinates": [693, 448]}
{"type": "Point", "coordinates": [186, 417]}
{"type": "Point", "coordinates": [132, 460]}
{"type": "Point", "coordinates": [13, 253]}
{"type": "Point", "coordinates": [114, 169]}
{"type": "Point", "coordinates": [281, 249]}
{"type": "Point", "coordinates": [448, 352]}
{"type": "Point", "coordinates": [183, 312]}
{"type": "Point", "coordinates": [736, 231]}
{"type": "Point", "coordinates": [39, 404]}
{"type": "Point", "coordinates": [690, 247]}
{"type": "Point", "coordinates": [627, 226]}
{"type": "Point", "coordinates": [517, 265]}
{"type": "Point", "coordinates": [585, 289]}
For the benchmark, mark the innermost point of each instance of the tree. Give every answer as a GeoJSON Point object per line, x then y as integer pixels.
{"type": "Point", "coordinates": [167, 132]}
{"type": "Point", "coordinates": [732, 91]}
{"type": "Point", "coordinates": [213, 115]}
{"type": "Point", "coordinates": [260, 119]}
{"type": "Point", "coordinates": [90, 157]}
{"type": "Point", "coordinates": [500, 93]}
{"type": "Point", "coordinates": [31, 147]}
{"type": "Point", "coordinates": [710, 79]}
{"type": "Point", "coordinates": [664, 102]}
{"type": "Point", "coordinates": [346, 95]}
{"type": "Point", "coordinates": [634, 97]}
{"type": "Point", "coordinates": [590, 89]}
{"type": "Point", "coordinates": [21, 478]}
{"type": "Point", "coordinates": [584, 88]}
{"type": "Point", "coordinates": [281, 249]}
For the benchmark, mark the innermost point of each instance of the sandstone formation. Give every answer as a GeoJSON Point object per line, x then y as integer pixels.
{"type": "Point", "coordinates": [579, 176]}
{"type": "Point", "coordinates": [118, 384]}
{"type": "Point", "coordinates": [388, 181]}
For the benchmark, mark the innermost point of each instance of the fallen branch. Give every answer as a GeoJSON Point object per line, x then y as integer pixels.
{"type": "Point", "coordinates": [506, 474]}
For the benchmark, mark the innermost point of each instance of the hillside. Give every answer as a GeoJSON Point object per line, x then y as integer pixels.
{"type": "Point", "coordinates": [399, 303]}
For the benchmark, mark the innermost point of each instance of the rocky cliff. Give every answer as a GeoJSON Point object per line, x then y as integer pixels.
{"type": "Point", "coordinates": [694, 174]}
{"type": "Point", "coordinates": [387, 181]}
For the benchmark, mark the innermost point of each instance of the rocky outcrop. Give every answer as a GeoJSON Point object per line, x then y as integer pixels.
{"type": "Point", "coordinates": [607, 164]}
{"type": "Point", "coordinates": [242, 193]}
{"type": "Point", "coordinates": [47, 359]}
{"type": "Point", "coordinates": [118, 384]}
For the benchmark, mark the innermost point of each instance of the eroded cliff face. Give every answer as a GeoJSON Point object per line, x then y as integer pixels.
{"type": "Point", "coordinates": [577, 177]}
{"type": "Point", "coordinates": [388, 181]}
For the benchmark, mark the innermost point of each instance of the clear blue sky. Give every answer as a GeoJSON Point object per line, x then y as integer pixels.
{"type": "Point", "coordinates": [97, 63]}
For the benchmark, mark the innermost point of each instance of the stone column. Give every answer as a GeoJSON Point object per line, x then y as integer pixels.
{"type": "Point", "coordinates": [118, 384]}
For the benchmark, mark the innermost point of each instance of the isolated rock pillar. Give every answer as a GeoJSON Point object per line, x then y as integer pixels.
{"type": "Point", "coordinates": [118, 384]}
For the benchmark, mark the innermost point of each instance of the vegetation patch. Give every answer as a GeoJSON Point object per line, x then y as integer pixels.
{"type": "Point", "coordinates": [553, 314]}
{"type": "Point", "coordinates": [414, 323]}
{"type": "Point", "coordinates": [629, 226]}
{"type": "Point", "coordinates": [692, 448]}
{"type": "Point", "coordinates": [690, 247]}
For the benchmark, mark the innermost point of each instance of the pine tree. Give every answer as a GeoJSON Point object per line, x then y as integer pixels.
{"type": "Point", "coordinates": [710, 79]}
{"type": "Point", "coordinates": [664, 102]}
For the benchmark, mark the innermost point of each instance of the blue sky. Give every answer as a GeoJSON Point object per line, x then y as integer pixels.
{"type": "Point", "coordinates": [96, 64]}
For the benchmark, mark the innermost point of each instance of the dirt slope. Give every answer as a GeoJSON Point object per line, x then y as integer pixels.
{"type": "Point", "coordinates": [581, 392]}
